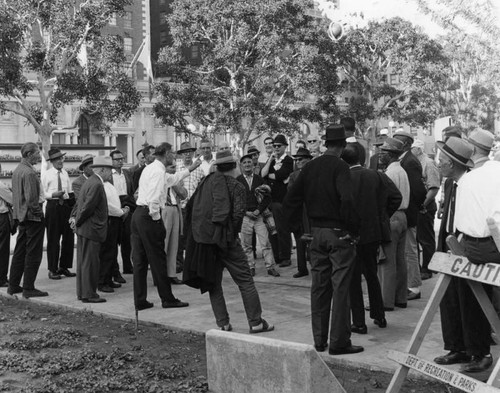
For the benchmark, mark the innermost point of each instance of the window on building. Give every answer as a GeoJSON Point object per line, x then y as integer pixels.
{"type": "Point", "coordinates": [393, 79]}
{"type": "Point", "coordinates": [163, 17]}
{"type": "Point", "coordinates": [127, 20]}
{"type": "Point", "coordinates": [58, 139]}
{"type": "Point", "coordinates": [195, 52]}
{"type": "Point", "coordinates": [112, 19]}
{"type": "Point", "coordinates": [127, 45]}
{"type": "Point", "coordinates": [163, 38]}
{"type": "Point", "coordinates": [346, 100]}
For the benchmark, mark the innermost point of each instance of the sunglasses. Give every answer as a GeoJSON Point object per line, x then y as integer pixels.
{"type": "Point", "coordinates": [268, 143]}
{"type": "Point", "coordinates": [311, 141]}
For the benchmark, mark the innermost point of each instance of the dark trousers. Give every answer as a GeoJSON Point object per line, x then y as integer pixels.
{"type": "Point", "coordinates": [182, 244]}
{"type": "Point", "coordinates": [332, 264]}
{"type": "Point", "coordinates": [4, 246]}
{"type": "Point", "coordinates": [87, 267]}
{"type": "Point", "coordinates": [125, 244]}
{"type": "Point", "coordinates": [301, 251]}
{"type": "Point", "coordinates": [463, 323]}
{"type": "Point", "coordinates": [366, 264]}
{"type": "Point", "coordinates": [284, 235]}
{"type": "Point", "coordinates": [426, 237]}
{"type": "Point", "coordinates": [27, 254]}
{"type": "Point", "coordinates": [109, 251]}
{"type": "Point", "coordinates": [148, 249]}
{"type": "Point", "coordinates": [235, 261]}
{"type": "Point", "coordinates": [60, 238]}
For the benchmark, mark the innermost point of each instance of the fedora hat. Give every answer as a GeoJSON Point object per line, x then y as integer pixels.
{"type": "Point", "coordinates": [102, 162]}
{"type": "Point", "coordinates": [334, 132]}
{"type": "Point", "coordinates": [224, 157]}
{"type": "Point", "coordinates": [393, 145]}
{"type": "Point", "coordinates": [186, 147]}
{"type": "Point", "coordinates": [452, 131]}
{"type": "Point", "coordinates": [250, 152]}
{"type": "Point", "coordinates": [482, 139]}
{"type": "Point", "coordinates": [280, 139]}
{"type": "Point", "coordinates": [302, 152]}
{"type": "Point", "coordinates": [54, 154]}
{"type": "Point", "coordinates": [401, 132]}
{"type": "Point", "coordinates": [87, 158]}
{"type": "Point", "coordinates": [418, 143]}
{"type": "Point", "coordinates": [458, 150]}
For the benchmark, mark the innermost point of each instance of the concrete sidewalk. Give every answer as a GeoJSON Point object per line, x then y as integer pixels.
{"type": "Point", "coordinates": [285, 303]}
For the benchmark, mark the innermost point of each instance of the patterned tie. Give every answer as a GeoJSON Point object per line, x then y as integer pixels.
{"type": "Point", "coordinates": [59, 187]}
{"type": "Point", "coordinates": [451, 215]}
{"type": "Point", "coordinates": [169, 198]}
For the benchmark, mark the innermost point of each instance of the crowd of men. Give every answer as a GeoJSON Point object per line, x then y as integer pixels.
{"type": "Point", "coordinates": [350, 216]}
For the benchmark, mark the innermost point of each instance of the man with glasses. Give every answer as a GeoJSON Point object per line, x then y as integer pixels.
{"type": "Point", "coordinates": [277, 171]}
{"type": "Point", "coordinates": [60, 201]}
{"type": "Point", "coordinates": [207, 158]}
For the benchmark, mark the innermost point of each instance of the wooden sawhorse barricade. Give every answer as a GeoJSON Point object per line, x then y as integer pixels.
{"type": "Point", "coordinates": [459, 266]}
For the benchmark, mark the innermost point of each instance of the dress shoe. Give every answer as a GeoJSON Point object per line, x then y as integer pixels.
{"type": "Point", "coordinates": [359, 329]}
{"type": "Point", "coordinates": [425, 275]}
{"type": "Point", "coordinates": [346, 350]}
{"type": "Point", "coordinates": [401, 305]}
{"type": "Point", "coordinates": [262, 327]}
{"type": "Point", "coordinates": [252, 271]}
{"type": "Point", "coordinates": [144, 306]}
{"type": "Point", "coordinates": [273, 272]}
{"type": "Point", "coordinates": [285, 263]}
{"type": "Point", "coordinates": [66, 272]}
{"type": "Point", "coordinates": [321, 347]}
{"type": "Point", "coordinates": [175, 281]}
{"type": "Point", "coordinates": [94, 300]}
{"type": "Point", "coordinates": [477, 364]}
{"type": "Point", "coordinates": [12, 290]}
{"type": "Point", "coordinates": [27, 293]}
{"type": "Point", "coordinates": [301, 274]}
{"type": "Point", "coordinates": [175, 304]}
{"type": "Point", "coordinates": [381, 323]}
{"type": "Point", "coordinates": [114, 285]}
{"type": "Point", "coordinates": [226, 328]}
{"type": "Point", "coordinates": [118, 278]}
{"type": "Point", "coordinates": [453, 357]}
{"type": "Point", "coordinates": [414, 296]}
{"type": "Point", "coordinates": [105, 288]}
{"type": "Point", "coordinates": [54, 276]}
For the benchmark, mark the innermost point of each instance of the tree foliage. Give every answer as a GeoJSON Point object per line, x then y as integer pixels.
{"type": "Point", "coordinates": [395, 70]}
{"type": "Point", "coordinates": [39, 49]}
{"type": "Point", "coordinates": [261, 63]}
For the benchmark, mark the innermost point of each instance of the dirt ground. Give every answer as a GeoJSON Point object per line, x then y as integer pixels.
{"type": "Point", "coordinates": [45, 350]}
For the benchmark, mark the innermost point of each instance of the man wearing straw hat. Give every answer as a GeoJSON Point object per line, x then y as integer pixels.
{"type": "Point", "coordinates": [91, 222]}
{"type": "Point", "coordinates": [482, 142]}
{"type": "Point", "coordinates": [60, 201]}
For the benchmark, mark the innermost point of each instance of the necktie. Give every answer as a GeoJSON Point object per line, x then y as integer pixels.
{"type": "Point", "coordinates": [169, 198]}
{"type": "Point", "coordinates": [451, 214]}
{"type": "Point", "coordinates": [59, 187]}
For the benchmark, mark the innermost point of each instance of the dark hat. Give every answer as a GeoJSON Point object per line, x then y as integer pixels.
{"type": "Point", "coordinates": [87, 159]}
{"type": "Point", "coordinates": [224, 157]}
{"type": "Point", "coordinates": [302, 152]}
{"type": "Point", "coordinates": [458, 150]}
{"type": "Point", "coordinates": [393, 145]}
{"type": "Point", "coordinates": [280, 138]}
{"type": "Point", "coordinates": [186, 147]}
{"type": "Point", "coordinates": [334, 132]}
{"type": "Point", "coordinates": [250, 152]}
{"type": "Point", "coordinates": [450, 131]}
{"type": "Point", "coordinates": [102, 162]}
{"type": "Point", "coordinates": [482, 139]}
{"type": "Point", "coordinates": [401, 132]}
{"type": "Point", "coordinates": [55, 154]}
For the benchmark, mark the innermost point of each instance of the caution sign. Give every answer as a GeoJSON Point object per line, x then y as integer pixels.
{"type": "Point", "coordinates": [443, 374]}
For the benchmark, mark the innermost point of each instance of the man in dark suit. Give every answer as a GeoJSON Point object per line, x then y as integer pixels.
{"type": "Point", "coordinates": [91, 223]}
{"type": "Point", "coordinates": [141, 162]}
{"type": "Point", "coordinates": [367, 187]}
{"type": "Point", "coordinates": [87, 171]}
{"type": "Point", "coordinates": [254, 219]}
{"type": "Point", "coordinates": [325, 187]}
{"type": "Point", "coordinates": [413, 169]}
{"type": "Point", "coordinates": [276, 172]}
{"type": "Point", "coordinates": [454, 162]}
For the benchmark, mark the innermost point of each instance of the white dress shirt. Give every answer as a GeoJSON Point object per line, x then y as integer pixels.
{"type": "Point", "coordinates": [152, 191]}
{"type": "Point", "coordinates": [119, 182]}
{"type": "Point", "coordinates": [114, 205]}
{"type": "Point", "coordinates": [397, 174]}
{"type": "Point", "coordinates": [478, 198]}
{"type": "Point", "coordinates": [206, 165]}
{"type": "Point", "coordinates": [50, 183]}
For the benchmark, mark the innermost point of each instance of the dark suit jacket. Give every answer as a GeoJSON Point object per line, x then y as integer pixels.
{"type": "Point", "coordinates": [413, 169]}
{"type": "Point", "coordinates": [136, 175]}
{"type": "Point", "coordinates": [128, 199]}
{"type": "Point", "coordinates": [278, 185]}
{"type": "Point", "coordinates": [252, 202]}
{"type": "Point", "coordinates": [77, 185]}
{"type": "Point", "coordinates": [92, 211]}
{"type": "Point", "coordinates": [443, 233]}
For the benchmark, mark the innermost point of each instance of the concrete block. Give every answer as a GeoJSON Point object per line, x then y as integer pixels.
{"type": "Point", "coordinates": [239, 363]}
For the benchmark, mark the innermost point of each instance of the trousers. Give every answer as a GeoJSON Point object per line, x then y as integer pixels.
{"type": "Point", "coordinates": [60, 237]}
{"type": "Point", "coordinates": [247, 229]}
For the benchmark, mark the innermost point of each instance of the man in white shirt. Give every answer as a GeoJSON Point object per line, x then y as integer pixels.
{"type": "Point", "coordinates": [148, 234]}
{"type": "Point", "coordinates": [60, 201]}
{"type": "Point", "coordinates": [207, 157]}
